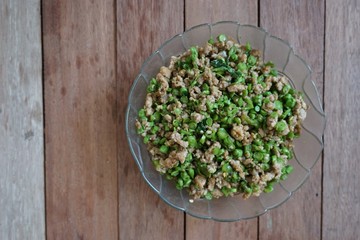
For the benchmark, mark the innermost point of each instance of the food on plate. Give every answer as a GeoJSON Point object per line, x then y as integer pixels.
{"type": "Point", "coordinates": [219, 121]}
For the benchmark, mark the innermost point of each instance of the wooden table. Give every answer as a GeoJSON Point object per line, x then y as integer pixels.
{"type": "Point", "coordinates": [65, 71]}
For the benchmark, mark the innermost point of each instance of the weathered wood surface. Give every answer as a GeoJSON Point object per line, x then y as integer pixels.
{"type": "Point", "coordinates": [80, 119]}
{"type": "Point", "coordinates": [22, 208]}
{"type": "Point", "coordinates": [244, 12]}
{"type": "Point", "coordinates": [290, 20]}
{"type": "Point", "coordinates": [141, 28]}
{"type": "Point", "coordinates": [341, 201]}
{"type": "Point", "coordinates": [92, 52]}
{"type": "Point", "coordinates": [202, 11]}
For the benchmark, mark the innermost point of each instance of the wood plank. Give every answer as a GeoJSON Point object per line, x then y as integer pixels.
{"type": "Point", "coordinates": [341, 204]}
{"type": "Point", "coordinates": [198, 12]}
{"type": "Point", "coordinates": [142, 27]}
{"type": "Point", "coordinates": [80, 119]}
{"type": "Point", "coordinates": [22, 205]}
{"type": "Point", "coordinates": [290, 20]}
{"type": "Point", "coordinates": [203, 11]}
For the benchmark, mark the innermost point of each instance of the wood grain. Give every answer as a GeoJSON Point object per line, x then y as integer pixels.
{"type": "Point", "coordinates": [22, 210]}
{"type": "Point", "coordinates": [80, 119]}
{"type": "Point", "coordinates": [141, 28]}
{"type": "Point", "coordinates": [203, 11]}
{"type": "Point", "coordinates": [198, 12]}
{"type": "Point", "coordinates": [341, 204]}
{"type": "Point", "coordinates": [301, 23]}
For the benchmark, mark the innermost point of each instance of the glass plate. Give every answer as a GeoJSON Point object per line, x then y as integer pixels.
{"type": "Point", "coordinates": [307, 148]}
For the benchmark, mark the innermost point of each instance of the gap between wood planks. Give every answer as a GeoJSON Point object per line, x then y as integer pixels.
{"type": "Point", "coordinates": [323, 103]}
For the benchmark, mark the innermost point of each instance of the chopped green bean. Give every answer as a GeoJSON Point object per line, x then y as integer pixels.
{"type": "Point", "coordinates": [164, 149]}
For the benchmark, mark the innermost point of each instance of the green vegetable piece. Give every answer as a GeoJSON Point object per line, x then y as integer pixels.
{"type": "Point", "coordinates": [194, 56]}
{"type": "Point", "coordinates": [208, 195]}
{"type": "Point", "coordinates": [209, 122]}
{"type": "Point", "coordinates": [180, 184]}
{"type": "Point", "coordinates": [232, 50]}
{"type": "Point", "coordinates": [257, 99]}
{"type": "Point", "coordinates": [280, 126]}
{"type": "Point", "coordinates": [205, 86]}
{"type": "Point", "coordinates": [258, 156]}
{"type": "Point", "coordinates": [240, 80]}
{"type": "Point", "coordinates": [177, 111]}
{"type": "Point", "coordinates": [289, 169]}
{"type": "Point", "coordinates": [187, 183]}
{"type": "Point", "coordinates": [216, 151]}
{"type": "Point", "coordinates": [202, 139]}
{"type": "Point", "coordinates": [226, 168]}
{"type": "Point", "coordinates": [184, 99]}
{"type": "Point", "coordinates": [232, 53]}
{"type": "Point", "coordinates": [242, 67]}
{"type": "Point", "coordinates": [290, 102]}
{"type": "Point", "coordinates": [193, 83]}
{"type": "Point", "coordinates": [226, 191]}
{"type": "Point", "coordinates": [286, 89]}
{"type": "Point", "coordinates": [237, 120]}
{"type": "Point", "coordinates": [211, 41]}
{"type": "Point", "coordinates": [240, 102]}
{"type": "Point", "coordinates": [284, 176]}
{"type": "Point", "coordinates": [142, 113]}
{"type": "Point", "coordinates": [255, 187]}
{"type": "Point", "coordinates": [191, 172]}
{"type": "Point", "coordinates": [229, 143]}
{"type": "Point", "coordinates": [274, 72]}
{"type": "Point", "coordinates": [235, 177]}
{"type": "Point", "coordinates": [278, 105]}
{"type": "Point", "coordinates": [251, 60]}
{"type": "Point", "coordinates": [154, 129]}
{"type": "Point", "coordinates": [174, 173]}
{"type": "Point", "coordinates": [183, 91]}
{"type": "Point", "coordinates": [291, 135]}
{"type": "Point", "coordinates": [222, 38]}
{"type": "Point", "coordinates": [249, 103]}
{"type": "Point", "coordinates": [156, 141]}
{"type": "Point", "coordinates": [286, 113]}
{"type": "Point", "coordinates": [164, 149]}
{"type": "Point", "coordinates": [286, 152]}
{"type": "Point", "coordinates": [266, 158]}
{"type": "Point", "coordinates": [270, 64]}
{"type": "Point", "coordinates": [206, 92]}
{"type": "Point", "coordinates": [274, 115]}
{"type": "Point", "coordinates": [234, 57]}
{"type": "Point", "coordinates": [268, 188]}
{"type": "Point", "coordinates": [222, 134]}
{"type": "Point", "coordinates": [185, 176]}
{"type": "Point", "coordinates": [248, 46]}
{"type": "Point", "coordinates": [238, 153]}
{"type": "Point", "coordinates": [176, 123]}
{"type": "Point", "coordinates": [189, 157]}
{"type": "Point", "coordinates": [251, 122]}
{"type": "Point", "coordinates": [202, 168]}
{"type": "Point", "coordinates": [192, 141]}
{"type": "Point", "coordinates": [152, 86]}
{"type": "Point", "coordinates": [193, 125]}
{"type": "Point", "coordinates": [245, 93]}
{"type": "Point", "coordinates": [146, 139]}
{"type": "Point", "coordinates": [217, 63]}
{"type": "Point", "coordinates": [155, 117]}
{"type": "Point", "coordinates": [265, 166]}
